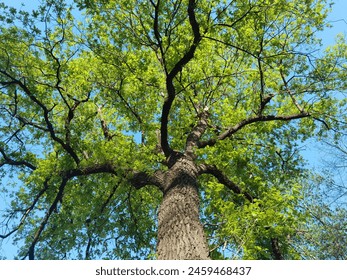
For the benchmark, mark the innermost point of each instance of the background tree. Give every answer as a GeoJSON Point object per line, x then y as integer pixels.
{"type": "Point", "coordinates": [324, 234]}
{"type": "Point", "coordinates": [189, 111]}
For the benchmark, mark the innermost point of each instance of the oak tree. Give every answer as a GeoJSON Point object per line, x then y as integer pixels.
{"type": "Point", "coordinates": [164, 129]}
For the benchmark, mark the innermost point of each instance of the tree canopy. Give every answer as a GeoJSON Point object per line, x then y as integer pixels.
{"type": "Point", "coordinates": [104, 102]}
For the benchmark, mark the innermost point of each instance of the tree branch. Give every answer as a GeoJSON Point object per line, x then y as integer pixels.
{"type": "Point", "coordinates": [276, 249]}
{"type": "Point", "coordinates": [220, 176]}
{"type": "Point", "coordinates": [93, 169]}
{"type": "Point", "coordinates": [231, 45]}
{"type": "Point", "coordinates": [171, 91]}
{"type": "Point", "coordinates": [297, 105]}
{"type": "Point", "coordinates": [196, 133]}
{"type": "Point", "coordinates": [46, 113]}
{"type": "Point", "coordinates": [233, 129]}
{"type": "Point", "coordinates": [108, 136]}
{"type": "Point", "coordinates": [14, 162]}
{"type": "Point", "coordinates": [52, 208]}
{"type": "Point", "coordinates": [141, 179]}
{"type": "Point", "coordinates": [158, 36]}
{"type": "Point", "coordinates": [232, 25]}
{"type": "Point", "coordinates": [27, 211]}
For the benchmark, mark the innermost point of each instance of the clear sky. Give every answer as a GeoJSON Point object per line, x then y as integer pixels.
{"type": "Point", "coordinates": [338, 18]}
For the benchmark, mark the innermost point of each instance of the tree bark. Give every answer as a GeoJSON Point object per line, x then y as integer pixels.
{"type": "Point", "coordinates": [276, 252]}
{"type": "Point", "coordinates": [180, 232]}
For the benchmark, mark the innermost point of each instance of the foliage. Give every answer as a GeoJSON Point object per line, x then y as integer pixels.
{"type": "Point", "coordinates": [89, 97]}
{"type": "Point", "coordinates": [323, 236]}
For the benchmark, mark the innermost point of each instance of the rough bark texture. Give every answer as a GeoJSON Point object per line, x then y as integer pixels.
{"type": "Point", "coordinates": [180, 232]}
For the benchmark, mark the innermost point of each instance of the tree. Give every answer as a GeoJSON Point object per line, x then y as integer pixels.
{"type": "Point", "coordinates": [325, 200]}
{"type": "Point", "coordinates": [189, 111]}
{"type": "Point", "coordinates": [323, 236]}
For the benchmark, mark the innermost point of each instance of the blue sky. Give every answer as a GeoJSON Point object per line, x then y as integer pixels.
{"type": "Point", "coordinates": [338, 18]}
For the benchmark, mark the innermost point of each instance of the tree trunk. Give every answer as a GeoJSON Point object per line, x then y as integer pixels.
{"type": "Point", "coordinates": [180, 232]}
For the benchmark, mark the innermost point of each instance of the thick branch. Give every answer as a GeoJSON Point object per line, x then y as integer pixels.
{"type": "Point", "coordinates": [141, 179]}
{"type": "Point", "coordinates": [196, 133]}
{"type": "Point", "coordinates": [197, 38]}
{"type": "Point", "coordinates": [30, 123]}
{"type": "Point", "coordinates": [171, 92]}
{"type": "Point", "coordinates": [233, 129]}
{"type": "Point", "coordinates": [93, 169]}
{"type": "Point", "coordinates": [157, 35]}
{"type": "Point", "coordinates": [223, 179]}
